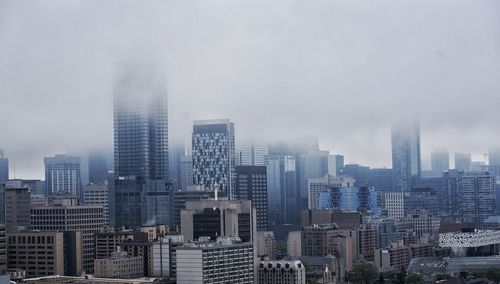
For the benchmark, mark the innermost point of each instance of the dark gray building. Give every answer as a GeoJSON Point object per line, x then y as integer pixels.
{"type": "Point", "coordinates": [4, 168]}
{"type": "Point", "coordinates": [422, 198]}
{"type": "Point", "coordinates": [63, 175]}
{"type": "Point", "coordinates": [381, 179]}
{"type": "Point", "coordinates": [358, 172]}
{"type": "Point", "coordinates": [406, 161]}
{"type": "Point", "coordinates": [98, 168]}
{"type": "Point", "coordinates": [214, 155]}
{"type": "Point", "coordinates": [251, 184]}
{"type": "Point", "coordinates": [140, 146]}
{"type": "Point", "coordinates": [17, 208]}
{"type": "Point", "coordinates": [180, 198]}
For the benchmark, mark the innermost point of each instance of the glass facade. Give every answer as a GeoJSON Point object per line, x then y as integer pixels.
{"type": "Point", "coordinates": [349, 199]}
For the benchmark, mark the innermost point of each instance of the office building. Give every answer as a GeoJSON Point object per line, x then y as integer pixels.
{"type": "Point", "coordinates": [317, 185]}
{"type": "Point", "coordinates": [265, 245]}
{"type": "Point", "coordinates": [98, 194]}
{"type": "Point", "coordinates": [494, 156]}
{"type": "Point", "coordinates": [141, 202]}
{"type": "Point", "coordinates": [164, 256]}
{"type": "Point", "coordinates": [344, 220]}
{"type": "Point", "coordinates": [35, 186]}
{"type": "Point", "coordinates": [98, 168]}
{"type": "Point", "coordinates": [440, 161]}
{"type": "Point", "coordinates": [181, 197]}
{"type": "Point", "coordinates": [423, 223]}
{"type": "Point", "coordinates": [358, 172]}
{"type": "Point", "coordinates": [313, 164]}
{"type": "Point", "coordinates": [218, 218]}
{"type": "Point", "coordinates": [175, 155]}
{"type": "Point", "coordinates": [108, 242]}
{"type": "Point", "coordinates": [335, 164]}
{"type": "Point", "coordinates": [4, 167]}
{"type": "Point", "coordinates": [65, 215]}
{"type": "Point", "coordinates": [422, 198]}
{"type": "Point", "coordinates": [39, 253]}
{"type": "Point", "coordinates": [62, 175]}
{"type": "Point", "coordinates": [394, 204]}
{"type": "Point", "coordinates": [283, 192]}
{"type": "Point", "coordinates": [463, 161]}
{"type": "Point", "coordinates": [396, 258]}
{"type": "Point", "coordinates": [17, 208]}
{"type": "Point", "coordinates": [224, 261]}
{"type": "Point", "coordinates": [119, 265]}
{"type": "Point", "coordinates": [214, 155]}
{"type": "Point", "coordinates": [251, 184]}
{"type": "Point", "coordinates": [186, 176]}
{"type": "Point", "coordinates": [252, 154]}
{"type": "Point", "coordinates": [381, 179]}
{"type": "Point", "coordinates": [281, 271]}
{"type": "Point", "coordinates": [350, 199]}
{"type": "Point", "coordinates": [469, 197]}
{"type": "Point", "coordinates": [405, 155]}
{"type": "Point", "coordinates": [386, 230]}
{"type": "Point", "coordinates": [140, 146]}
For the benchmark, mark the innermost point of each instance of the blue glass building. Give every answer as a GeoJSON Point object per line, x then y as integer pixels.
{"type": "Point", "coordinates": [141, 192]}
{"type": "Point", "coordinates": [350, 199]}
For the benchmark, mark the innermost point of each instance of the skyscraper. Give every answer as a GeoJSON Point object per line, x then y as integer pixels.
{"type": "Point", "coordinates": [405, 155]}
{"type": "Point", "coordinates": [463, 161]}
{"type": "Point", "coordinates": [4, 168]}
{"type": "Point", "coordinates": [252, 154]}
{"type": "Point", "coordinates": [440, 161]}
{"type": "Point", "coordinates": [98, 168]}
{"type": "Point", "coordinates": [251, 184]}
{"type": "Point", "coordinates": [62, 175]}
{"type": "Point", "coordinates": [214, 154]}
{"type": "Point", "coordinates": [186, 175]}
{"type": "Point", "coordinates": [140, 145]}
{"type": "Point", "coordinates": [283, 192]}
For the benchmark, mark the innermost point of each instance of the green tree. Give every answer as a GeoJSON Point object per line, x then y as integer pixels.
{"type": "Point", "coordinates": [364, 273]}
{"type": "Point", "coordinates": [493, 273]}
{"type": "Point", "coordinates": [414, 278]}
{"type": "Point", "coordinates": [399, 278]}
{"type": "Point", "coordinates": [441, 276]}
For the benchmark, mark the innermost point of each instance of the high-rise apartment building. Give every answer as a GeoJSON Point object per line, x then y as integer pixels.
{"type": "Point", "coordinates": [17, 208]}
{"type": "Point", "coordinates": [62, 175]}
{"type": "Point", "coordinates": [4, 168]}
{"type": "Point", "coordinates": [98, 168]}
{"type": "Point", "coordinates": [405, 155]}
{"type": "Point", "coordinates": [252, 154]}
{"type": "Point", "coordinates": [214, 155]}
{"type": "Point", "coordinates": [186, 174]}
{"type": "Point", "coordinates": [140, 145]}
{"type": "Point", "coordinates": [469, 197]}
{"type": "Point", "coordinates": [463, 161]}
{"type": "Point", "coordinates": [440, 161]}
{"type": "Point", "coordinates": [251, 184]}
{"type": "Point", "coordinates": [65, 215]}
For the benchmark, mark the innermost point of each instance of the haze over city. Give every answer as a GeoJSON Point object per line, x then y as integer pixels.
{"type": "Point", "coordinates": [341, 71]}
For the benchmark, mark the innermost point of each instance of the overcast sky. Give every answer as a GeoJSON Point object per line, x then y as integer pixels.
{"type": "Point", "coordinates": [281, 69]}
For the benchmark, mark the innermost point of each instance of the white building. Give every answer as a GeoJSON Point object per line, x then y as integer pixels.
{"type": "Point", "coordinates": [281, 272]}
{"type": "Point", "coordinates": [119, 265]}
{"type": "Point", "coordinates": [98, 194]}
{"type": "Point", "coordinates": [395, 205]}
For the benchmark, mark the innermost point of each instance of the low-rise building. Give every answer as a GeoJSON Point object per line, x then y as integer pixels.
{"type": "Point", "coordinates": [119, 265]}
{"type": "Point", "coordinates": [281, 271]}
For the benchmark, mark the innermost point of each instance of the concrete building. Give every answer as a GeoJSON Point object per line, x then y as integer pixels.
{"type": "Point", "coordinates": [218, 218]}
{"type": "Point", "coordinates": [265, 245]}
{"type": "Point", "coordinates": [181, 197]}
{"type": "Point", "coordinates": [3, 237]}
{"type": "Point", "coordinates": [406, 161]}
{"type": "Point", "coordinates": [344, 220]}
{"type": "Point", "coordinates": [119, 265]}
{"type": "Point", "coordinates": [294, 243]}
{"type": "Point", "coordinates": [423, 223]}
{"type": "Point", "coordinates": [281, 271]}
{"type": "Point", "coordinates": [164, 256]}
{"type": "Point", "coordinates": [358, 172]}
{"type": "Point", "coordinates": [425, 198]}
{"type": "Point", "coordinates": [394, 204]}
{"type": "Point", "coordinates": [17, 208]}
{"type": "Point", "coordinates": [62, 175]}
{"type": "Point", "coordinates": [214, 155]}
{"type": "Point", "coordinates": [108, 242]}
{"type": "Point", "coordinates": [4, 168]}
{"type": "Point", "coordinates": [40, 253]}
{"type": "Point", "coordinates": [98, 194]}
{"type": "Point", "coordinates": [396, 258]}
{"type": "Point", "coordinates": [66, 215]}
{"type": "Point", "coordinates": [251, 184]}
{"type": "Point", "coordinates": [224, 261]}
{"type": "Point", "coordinates": [317, 185]}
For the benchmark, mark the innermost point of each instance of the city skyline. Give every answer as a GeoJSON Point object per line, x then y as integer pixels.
{"type": "Point", "coordinates": [316, 70]}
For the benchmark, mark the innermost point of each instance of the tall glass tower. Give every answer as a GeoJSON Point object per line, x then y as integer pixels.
{"type": "Point", "coordinates": [140, 146]}
{"type": "Point", "coordinates": [141, 122]}
{"type": "Point", "coordinates": [406, 161]}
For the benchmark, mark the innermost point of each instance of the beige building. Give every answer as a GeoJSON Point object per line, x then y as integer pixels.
{"type": "Point", "coordinates": [63, 215]}
{"type": "Point", "coordinates": [395, 205]}
{"type": "Point", "coordinates": [97, 194]}
{"type": "Point", "coordinates": [108, 242]}
{"type": "Point", "coordinates": [38, 253]}
{"type": "Point", "coordinates": [280, 272]}
{"type": "Point", "coordinates": [397, 257]}
{"type": "Point", "coordinates": [119, 265]}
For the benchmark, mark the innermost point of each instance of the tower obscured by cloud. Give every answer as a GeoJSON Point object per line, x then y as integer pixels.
{"type": "Point", "coordinates": [141, 145]}
{"type": "Point", "coordinates": [406, 160]}
{"type": "Point", "coordinates": [4, 168]}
